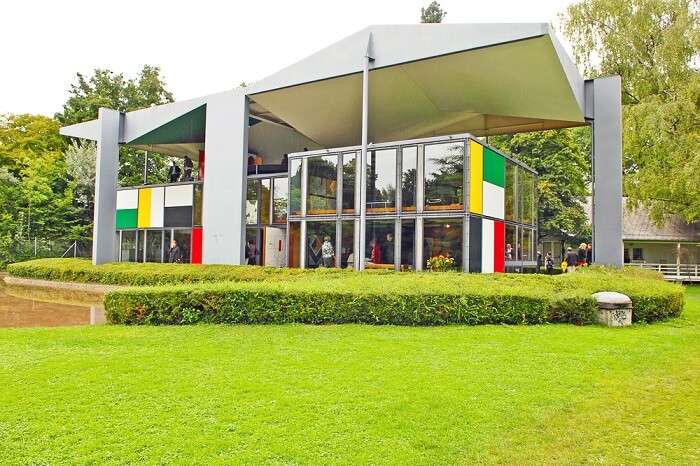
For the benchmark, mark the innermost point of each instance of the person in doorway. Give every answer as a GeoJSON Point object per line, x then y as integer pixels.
{"type": "Point", "coordinates": [582, 252]}
{"type": "Point", "coordinates": [175, 253]}
{"type": "Point", "coordinates": [388, 249]}
{"type": "Point", "coordinates": [251, 253]}
{"type": "Point", "coordinates": [589, 254]}
{"type": "Point", "coordinates": [549, 263]}
{"type": "Point", "coordinates": [173, 172]}
{"type": "Point", "coordinates": [187, 166]}
{"type": "Point", "coordinates": [327, 252]}
{"type": "Point", "coordinates": [509, 252]}
{"type": "Point", "coordinates": [571, 260]}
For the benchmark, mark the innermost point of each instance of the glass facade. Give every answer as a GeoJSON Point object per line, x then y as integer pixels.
{"type": "Point", "coordinates": [322, 185]}
{"type": "Point", "coordinates": [320, 244]}
{"type": "Point", "coordinates": [349, 176]}
{"type": "Point", "coordinates": [280, 198]}
{"type": "Point", "coordinates": [381, 181]}
{"type": "Point", "coordinates": [443, 237]}
{"type": "Point", "coordinates": [380, 243]}
{"type": "Point", "coordinates": [295, 167]}
{"type": "Point", "coordinates": [409, 178]}
{"type": "Point", "coordinates": [444, 176]}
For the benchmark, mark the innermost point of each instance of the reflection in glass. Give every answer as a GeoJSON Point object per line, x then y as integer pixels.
{"type": "Point", "coordinates": [510, 193]}
{"type": "Point", "coordinates": [154, 246]}
{"type": "Point", "coordinates": [511, 242]}
{"type": "Point", "coordinates": [251, 202]}
{"type": "Point", "coordinates": [184, 240]}
{"type": "Point", "coordinates": [408, 238]}
{"type": "Point", "coordinates": [265, 186]}
{"type": "Point", "coordinates": [379, 242]}
{"type": "Point", "coordinates": [528, 245]}
{"type": "Point", "coordinates": [347, 244]}
{"type": "Point", "coordinates": [252, 247]}
{"type": "Point", "coordinates": [141, 241]}
{"type": "Point", "coordinates": [444, 176]}
{"type": "Point", "coordinates": [443, 236]}
{"type": "Point", "coordinates": [295, 186]}
{"type": "Point", "coordinates": [322, 187]}
{"type": "Point", "coordinates": [320, 244]}
{"type": "Point", "coordinates": [349, 171]}
{"type": "Point", "coordinates": [128, 247]}
{"type": "Point", "coordinates": [526, 190]}
{"type": "Point", "coordinates": [294, 245]}
{"type": "Point", "coordinates": [409, 166]}
{"type": "Point", "coordinates": [381, 181]}
{"type": "Point", "coordinates": [279, 200]}
{"type": "Point", "coordinates": [197, 216]}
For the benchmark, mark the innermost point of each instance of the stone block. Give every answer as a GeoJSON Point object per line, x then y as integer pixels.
{"type": "Point", "coordinates": [614, 309]}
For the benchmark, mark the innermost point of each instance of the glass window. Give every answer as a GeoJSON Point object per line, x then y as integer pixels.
{"type": "Point", "coordinates": [379, 243]}
{"type": "Point", "coordinates": [349, 172]}
{"type": "Point", "coordinates": [526, 194]}
{"type": "Point", "coordinates": [443, 236]}
{"type": "Point", "coordinates": [511, 169]}
{"type": "Point", "coordinates": [322, 186]}
{"type": "Point", "coordinates": [252, 247]}
{"type": "Point", "coordinates": [381, 181]}
{"type": "Point", "coordinates": [637, 254]}
{"type": "Point", "coordinates": [167, 236]}
{"type": "Point", "coordinates": [184, 240]}
{"type": "Point", "coordinates": [409, 166]}
{"type": "Point", "coordinates": [141, 240]}
{"type": "Point", "coordinates": [347, 244]}
{"type": "Point", "coordinates": [295, 166]}
{"type": "Point", "coordinates": [128, 246]}
{"type": "Point", "coordinates": [197, 216]}
{"type": "Point", "coordinates": [408, 239]}
{"type": "Point", "coordinates": [444, 176]}
{"type": "Point", "coordinates": [154, 246]}
{"type": "Point", "coordinates": [527, 248]}
{"type": "Point", "coordinates": [294, 249]}
{"type": "Point", "coordinates": [251, 202]}
{"type": "Point", "coordinates": [280, 198]}
{"type": "Point", "coordinates": [511, 242]}
{"type": "Point", "coordinates": [265, 186]}
{"type": "Point", "coordinates": [320, 244]}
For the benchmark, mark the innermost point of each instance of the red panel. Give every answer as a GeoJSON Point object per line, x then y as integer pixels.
{"type": "Point", "coordinates": [499, 246]}
{"type": "Point", "coordinates": [197, 245]}
{"type": "Point", "coordinates": [201, 165]}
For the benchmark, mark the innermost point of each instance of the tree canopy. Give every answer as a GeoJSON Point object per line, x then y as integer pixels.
{"type": "Point", "coordinates": [433, 13]}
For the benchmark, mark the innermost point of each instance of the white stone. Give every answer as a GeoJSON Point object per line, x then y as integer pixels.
{"type": "Point", "coordinates": [611, 297]}
{"type": "Point", "coordinates": [614, 309]}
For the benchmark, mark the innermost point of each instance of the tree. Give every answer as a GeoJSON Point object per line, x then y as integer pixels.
{"type": "Point", "coordinates": [432, 14]}
{"type": "Point", "coordinates": [654, 45]}
{"type": "Point", "coordinates": [80, 166]}
{"type": "Point", "coordinates": [561, 160]}
{"type": "Point", "coordinates": [112, 90]}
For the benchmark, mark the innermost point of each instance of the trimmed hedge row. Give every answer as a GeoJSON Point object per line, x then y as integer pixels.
{"type": "Point", "coordinates": [397, 298]}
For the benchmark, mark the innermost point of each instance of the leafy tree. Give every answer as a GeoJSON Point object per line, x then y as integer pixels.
{"type": "Point", "coordinates": [560, 157]}
{"type": "Point", "coordinates": [23, 138]}
{"type": "Point", "coordinates": [433, 13]}
{"type": "Point", "coordinates": [654, 46]}
{"type": "Point", "coordinates": [112, 90]}
{"type": "Point", "coordinates": [80, 166]}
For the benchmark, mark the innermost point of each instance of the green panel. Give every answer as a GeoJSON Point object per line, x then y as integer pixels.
{"type": "Point", "coordinates": [494, 168]}
{"type": "Point", "coordinates": [127, 218]}
{"type": "Point", "coordinates": [183, 129]}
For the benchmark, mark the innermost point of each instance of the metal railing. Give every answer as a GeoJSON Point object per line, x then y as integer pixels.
{"type": "Point", "coordinates": [675, 272]}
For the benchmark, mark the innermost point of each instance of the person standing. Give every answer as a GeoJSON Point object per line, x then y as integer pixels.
{"type": "Point", "coordinates": [175, 253]}
{"type": "Point", "coordinates": [589, 254]}
{"type": "Point", "coordinates": [539, 262]}
{"type": "Point", "coordinates": [509, 252]}
{"type": "Point", "coordinates": [581, 256]}
{"type": "Point", "coordinates": [187, 165]}
{"type": "Point", "coordinates": [375, 255]}
{"type": "Point", "coordinates": [389, 249]}
{"type": "Point", "coordinates": [549, 263]}
{"type": "Point", "coordinates": [173, 172]}
{"type": "Point", "coordinates": [251, 253]}
{"type": "Point", "coordinates": [327, 252]}
{"type": "Point", "coordinates": [571, 260]}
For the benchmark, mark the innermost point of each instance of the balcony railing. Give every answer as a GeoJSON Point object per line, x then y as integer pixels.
{"type": "Point", "coordinates": [673, 272]}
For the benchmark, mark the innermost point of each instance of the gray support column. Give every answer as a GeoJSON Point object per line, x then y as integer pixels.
{"type": "Point", "coordinates": [106, 173]}
{"type": "Point", "coordinates": [604, 109]}
{"type": "Point", "coordinates": [226, 147]}
{"type": "Point", "coordinates": [363, 160]}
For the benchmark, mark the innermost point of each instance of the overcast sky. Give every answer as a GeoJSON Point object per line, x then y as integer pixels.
{"type": "Point", "coordinates": [202, 46]}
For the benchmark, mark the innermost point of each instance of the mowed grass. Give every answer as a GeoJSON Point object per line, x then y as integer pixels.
{"type": "Point", "coordinates": [353, 394]}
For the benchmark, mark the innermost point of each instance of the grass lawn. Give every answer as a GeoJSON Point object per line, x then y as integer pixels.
{"type": "Point", "coordinates": [351, 394]}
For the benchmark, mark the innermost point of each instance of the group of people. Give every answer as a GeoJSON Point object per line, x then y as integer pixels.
{"type": "Point", "coordinates": [581, 258]}
{"type": "Point", "coordinates": [174, 171]}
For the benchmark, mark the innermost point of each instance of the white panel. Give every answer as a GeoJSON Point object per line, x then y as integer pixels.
{"type": "Point", "coordinates": [128, 199]}
{"type": "Point", "coordinates": [275, 246]}
{"type": "Point", "coordinates": [494, 200]}
{"type": "Point", "coordinates": [157, 201]}
{"type": "Point", "coordinates": [487, 245]}
{"type": "Point", "coordinates": [180, 195]}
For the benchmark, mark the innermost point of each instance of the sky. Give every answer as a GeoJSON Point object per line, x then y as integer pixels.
{"type": "Point", "coordinates": [201, 46]}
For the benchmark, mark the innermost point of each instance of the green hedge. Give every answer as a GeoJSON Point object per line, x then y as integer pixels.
{"type": "Point", "coordinates": [397, 298]}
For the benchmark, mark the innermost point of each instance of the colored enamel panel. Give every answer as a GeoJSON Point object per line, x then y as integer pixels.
{"type": "Point", "coordinates": [178, 216]}
{"type": "Point", "coordinates": [476, 171]}
{"type": "Point", "coordinates": [144, 208]}
{"type": "Point", "coordinates": [499, 247]}
{"type": "Point", "coordinates": [178, 196]}
{"type": "Point", "coordinates": [475, 244]}
{"type": "Point", "coordinates": [126, 218]}
{"type": "Point", "coordinates": [157, 202]}
{"type": "Point", "coordinates": [197, 245]}
{"type": "Point", "coordinates": [127, 199]}
{"type": "Point", "coordinates": [494, 168]}
{"type": "Point", "coordinates": [487, 246]}
{"type": "Point", "coordinates": [494, 200]}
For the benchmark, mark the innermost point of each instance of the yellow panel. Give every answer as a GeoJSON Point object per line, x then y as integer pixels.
{"type": "Point", "coordinates": [476, 177]}
{"type": "Point", "coordinates": [144, 217]}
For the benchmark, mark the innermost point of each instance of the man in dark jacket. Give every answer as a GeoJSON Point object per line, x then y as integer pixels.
{"type": "Point", "coordinates": [589, 254]}
{"type": "Point", "coordinates": [175, 253]}
{"type": "Point", "coordinates": [571, 259]}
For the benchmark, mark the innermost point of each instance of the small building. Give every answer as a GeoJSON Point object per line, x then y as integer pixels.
{"type": "Point", "coordinates": [370, 150]}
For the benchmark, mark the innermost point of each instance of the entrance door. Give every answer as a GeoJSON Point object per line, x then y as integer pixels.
{"type": "Point", "coordinates": [275, 244]}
